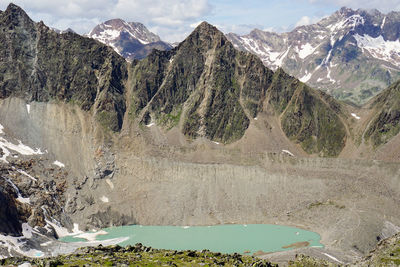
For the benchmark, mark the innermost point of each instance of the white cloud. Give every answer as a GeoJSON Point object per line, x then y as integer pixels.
{"type": "Point", "coordinates": [82, 15]}
{"type": "Point", "coordinates": [194, 25]}
{"type": "Point", "coordinates": [382, 5]}
{"type": "Point", "coordinates": [238, 28]}
{"type": "Point", "coordinates": [306, 20]}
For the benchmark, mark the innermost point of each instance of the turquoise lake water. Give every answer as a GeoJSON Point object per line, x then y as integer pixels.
{"type": "Point", "coordinates": [220, 238]}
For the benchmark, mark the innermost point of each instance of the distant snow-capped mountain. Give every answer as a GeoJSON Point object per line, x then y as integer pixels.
{"type": "Point", "coordinates": [132, 40]}
{"type": "Point", "coordinates": [353, 54]}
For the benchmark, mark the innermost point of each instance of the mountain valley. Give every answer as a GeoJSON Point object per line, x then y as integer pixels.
{"type": "Point", "coordinates": [198, 134]}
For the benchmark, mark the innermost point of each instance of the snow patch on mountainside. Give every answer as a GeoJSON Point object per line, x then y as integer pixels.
{"type": "Point", "coordinates": [18, 244]}
{"type": "Point", "coordinates": [268, 56]}
{"type": "Point", "coordinates": [27, 175]}
{"type": "Point", "coordinates": [383, 22]}
{"type": "Point", "coordinates": [279, 61]}
{"type": "Point", "coordinates": [59, 164]}
{"type": "Point", "coordinates": [20, 198]}
{"type": "Point", "coordinates": [355, 116]}
{"type": "Point", "coordinates": [328, 75]}
{"type": "Point", "coordinates": [20, 148]}
{"type": "Point", "coordinates": [104, 199]}
{"type": "Point", "coordinates": [306, 50]}
{"type": "Point", "coordinates": [379, 48]}
{"type": "Point", "coordinates": [350, 22]}
{"type": "Point", "coordinates": [61, 231]}
{"type": "Point", "coordinates": [306, 77]}
{"type": "Point", "coordinates": [106, 35]}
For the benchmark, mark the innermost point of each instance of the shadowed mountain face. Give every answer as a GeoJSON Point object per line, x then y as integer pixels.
{"type": "Point", "coordinates": [38, 64]}
{"type": "Point", "coordinates": [386, 123]}
{"type": "Point", "coordinates": [132, 40]}
{"type": "Point", "coordinates": [352, 54]}
{"type": "Point", "coordinates": [209, 89]}
{"type": "Point", "coordinates": [9, 219]}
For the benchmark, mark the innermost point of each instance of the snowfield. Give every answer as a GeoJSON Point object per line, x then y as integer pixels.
{"type": "Point", "coordinates": [379, 48]}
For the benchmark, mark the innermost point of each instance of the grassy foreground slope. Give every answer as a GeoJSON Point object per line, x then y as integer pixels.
{"type": "Point", "coordinates": [386, 253]}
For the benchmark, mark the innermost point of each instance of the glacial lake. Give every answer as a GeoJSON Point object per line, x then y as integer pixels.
{"type": "Point", "coordinates": [220, 238]}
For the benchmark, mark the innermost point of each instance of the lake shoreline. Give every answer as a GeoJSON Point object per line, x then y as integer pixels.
{"type": "Point", "coordinates": [229, 238]}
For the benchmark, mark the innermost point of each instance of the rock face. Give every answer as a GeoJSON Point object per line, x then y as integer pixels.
{"type": "Point", "coordinates": [211, 90]}
{"type": "Point", "coordinates": [353, 54]}
{"type": "Point", "coordinates": [27, 199]}
{"type": "Point", "coordinates": [9, 219]}
{"type": "Point", "coordinates": [132, 40]}
{"type": "Point", "coordinates": [386, 123]}
{"type": "Point", "coordinates": [56, 67]}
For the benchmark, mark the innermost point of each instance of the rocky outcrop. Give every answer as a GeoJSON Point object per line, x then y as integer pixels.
{"type": "Point", "coordinates": [28, 199]}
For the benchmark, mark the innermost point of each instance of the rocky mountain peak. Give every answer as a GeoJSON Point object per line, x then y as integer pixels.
{"type": "Point", "coordinates": [110, 30]}
{"type": "Point", "coordinates": [13, 8]}
{"type": "Point", "coordinates": [16, 16]}
{"type": "Point", "coordinates": [345, 11]}
{"type": "Point", "coordinates": [131, 40]}
{"type": "Point", "coordinates": [207, 35]}
{"type": "Point", "coordinates": [207, 29]}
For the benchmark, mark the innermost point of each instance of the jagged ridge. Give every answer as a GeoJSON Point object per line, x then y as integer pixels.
{"type": "Point", "coordinates": [204, 85]}
{"type": "Point", "coordinates": [386, 123]}
{"type": "Point", "coordinates": [352, 54]}
{"type": "Point", "coordinates": [40, 65]}
{"type": "Point", "coordinates": [214, 90]}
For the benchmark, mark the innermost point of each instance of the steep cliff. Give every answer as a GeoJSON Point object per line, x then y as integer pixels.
{"type": "Point", "coordinates": [386, 122]}
{"type": "Point", "coordinates": [9, 219]}
{"type": "Point", "coordinates": [38, 64]}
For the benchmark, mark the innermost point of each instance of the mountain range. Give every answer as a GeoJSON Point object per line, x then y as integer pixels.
{"type": "Point", "coordinates": [199, 134]}
{"type": "Point", "coordinates": [352, 54]}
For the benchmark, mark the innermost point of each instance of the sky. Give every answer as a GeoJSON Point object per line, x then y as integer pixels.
{"type": "Point", "coordinates": [173, 20]}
